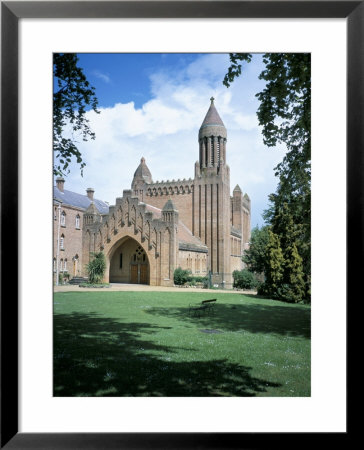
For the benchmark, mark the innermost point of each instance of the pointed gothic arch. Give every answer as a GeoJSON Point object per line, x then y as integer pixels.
{"type": "Point", "coordinates": [129, 262]}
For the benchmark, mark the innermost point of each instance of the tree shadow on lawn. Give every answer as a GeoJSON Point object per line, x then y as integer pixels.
{"type": "Point", "coordinates": [282, 320]}
{"type": "Point", "coordinates": [97, 356]}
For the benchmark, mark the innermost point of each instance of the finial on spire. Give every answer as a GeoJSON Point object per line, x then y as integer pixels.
{"type": "Point", "coordinates": [212, 100]}
{"type": "Point", "coordinates": [142, 159]}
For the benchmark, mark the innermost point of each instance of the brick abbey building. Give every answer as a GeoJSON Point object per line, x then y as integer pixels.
{"type": "Point", "coordinates": [156, 227]}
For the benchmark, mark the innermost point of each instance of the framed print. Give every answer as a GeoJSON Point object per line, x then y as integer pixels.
{"type": "Point", "coordinates": [32, 414]}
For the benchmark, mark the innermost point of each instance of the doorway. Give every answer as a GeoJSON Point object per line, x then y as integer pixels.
{"type": "Point", "coordinates": [129, 263]}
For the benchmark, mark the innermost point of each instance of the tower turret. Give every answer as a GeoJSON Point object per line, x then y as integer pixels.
{"type": "Point", "coordinates": [212, 139]}
{"type": "Point", "coordinates": [169, 212]}
{"type": "Point", "coordinates": [141, 176]}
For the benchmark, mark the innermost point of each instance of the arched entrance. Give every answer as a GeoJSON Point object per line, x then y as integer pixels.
{"type": "Point", "coordinates": [129, 263]}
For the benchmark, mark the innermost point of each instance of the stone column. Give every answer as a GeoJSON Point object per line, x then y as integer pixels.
{"type": "Point", "coordinates": [216, 162]}
{"type": "Point", "coordinates": [223, 150]}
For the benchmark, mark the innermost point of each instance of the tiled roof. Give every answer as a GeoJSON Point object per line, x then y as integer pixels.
{"type": "Point", "coordinates": [187, 241]}
{"type": "Point", "coordinates": [156, 211]}
{"type": "Point", "coordinates": [212, 117]}
{"type": "Point", "coordinates": [78, 200]}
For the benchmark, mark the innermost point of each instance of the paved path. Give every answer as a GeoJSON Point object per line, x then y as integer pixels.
{"type": "Point", "coordinates": [143, 287]}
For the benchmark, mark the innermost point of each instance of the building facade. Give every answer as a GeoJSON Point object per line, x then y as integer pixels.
{"type": "Point", "coordinates": [156, 227]}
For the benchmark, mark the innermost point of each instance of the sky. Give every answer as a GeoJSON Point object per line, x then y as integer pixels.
{"type": "Point", "coordinates": [152, 106]}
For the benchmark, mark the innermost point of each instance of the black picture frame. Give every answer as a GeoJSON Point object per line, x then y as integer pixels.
{"type": "Point", "coordinates": [11, 12]}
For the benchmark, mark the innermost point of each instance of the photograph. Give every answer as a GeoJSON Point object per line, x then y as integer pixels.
{"type": "Point", "coordinates": [181, 224]}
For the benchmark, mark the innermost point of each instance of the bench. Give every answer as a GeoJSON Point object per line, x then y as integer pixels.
{"type": "Point", "coordinates": [203, 307]}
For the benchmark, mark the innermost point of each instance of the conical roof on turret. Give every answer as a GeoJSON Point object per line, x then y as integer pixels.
{"type": "Point", "coordinates": [142, 173]}
{"type": "Point", "coordinates": [169, 206]}
{"type": "Point", "coordinates": [212, 123]}
{"type": "Point", "coordinates": [212, 117]}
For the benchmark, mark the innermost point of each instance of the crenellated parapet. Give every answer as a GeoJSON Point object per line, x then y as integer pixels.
{"type": "Point", "coordinates": [167, 188]}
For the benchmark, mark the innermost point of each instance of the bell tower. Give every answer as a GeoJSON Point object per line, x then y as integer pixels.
{"type": "Point", "coordinates": [212, 140]}
{"type": "Point", "coordinates": [211, 196]}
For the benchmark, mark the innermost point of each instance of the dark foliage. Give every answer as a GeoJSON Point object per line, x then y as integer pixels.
{"type": "Point", "coordinates": [72, 97]}
{"type": "Point", "coordinates": [285, 116]}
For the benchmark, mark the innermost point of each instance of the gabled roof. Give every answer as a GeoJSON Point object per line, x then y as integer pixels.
{"type": "Point", "coordinates": [78, 200]}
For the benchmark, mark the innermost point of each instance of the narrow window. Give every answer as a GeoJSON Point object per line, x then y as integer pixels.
{"type": "Point", "coordinates": [77, 221]}
{"type": "Point", "coordinates": [63, 219]}
{"type": "Point", "coordinates": [65, 265]}
{"type": "Point", "coordinates": [121, 260]}
{"type": "Point", "coordinates": [212, 152]}
{"type": "Point", "coordinates": [61, 265]}
{"type": "Point", "coordinates": [54, 265]}
{"type": "Point", "coordinates": [61, 242]}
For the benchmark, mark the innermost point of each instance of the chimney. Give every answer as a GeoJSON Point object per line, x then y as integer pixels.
{"type": "Point", "coordinates": [60, 183]}
{"type": "Point", "coordinates": [90, 193]}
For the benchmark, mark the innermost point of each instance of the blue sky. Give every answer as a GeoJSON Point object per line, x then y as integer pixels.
{"type": "Point", "coordinates": [152, 105]}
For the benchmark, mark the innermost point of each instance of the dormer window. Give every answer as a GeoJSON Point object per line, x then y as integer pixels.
{"type": "Point", "coordinates": [63, 219]}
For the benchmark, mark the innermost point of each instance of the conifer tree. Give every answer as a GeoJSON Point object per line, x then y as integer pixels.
{"type": "Point", "coordinates": [295, 273]}
{"type": "Point", "coordinates": [285, 116]}
{"type": "Point", "coordinates": [274, 267]}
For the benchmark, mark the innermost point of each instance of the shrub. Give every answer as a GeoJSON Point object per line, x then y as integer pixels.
{"type": "Point", "coordinates": [96, 268]}
{"type": "Point", "coordinates": [244, 279]}
{"type": "Point", "coordinates": [181, 276]}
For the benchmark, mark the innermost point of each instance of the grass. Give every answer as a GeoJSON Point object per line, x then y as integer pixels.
{"type": "Point", "coordinates": [146, 344]}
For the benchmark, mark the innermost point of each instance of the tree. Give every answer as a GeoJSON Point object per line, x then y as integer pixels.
{"type": "Point", "coordinates": [72, 96]}
{"type": "Point", "coordinates": [274, 265]}
{"type": "Point", "coordinates": [296, 282]}
{"type": "Point", "coordinates": [244, 279]}
{"type": "Point", "coordinates": [284, 113]}
{"type": "Point", "coordinates": [181, 276]}
{"type": "Point", "coordinates": [96, 267]}
{"type": "Point", "coordinates": [255, 256]}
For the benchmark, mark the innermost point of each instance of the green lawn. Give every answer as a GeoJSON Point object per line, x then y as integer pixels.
{"type": "Point", "coordinates": [146, 344]}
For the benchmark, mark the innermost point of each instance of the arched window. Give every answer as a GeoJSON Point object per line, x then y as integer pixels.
{"type": "Point", "coordinates": [78, 221]}
{"type": "Point", "coordinates": [61, 242]}
{"type": "Point", "coordinates": [63, 219]}
{"type": "Point", "coordinates": [54, 265]}
{"type": "Point", "coordinates": [65, 265]}
{"type": "Point", "coordinates": [61, 265]}
{"type": "Point", "coordinates": [139, 255]}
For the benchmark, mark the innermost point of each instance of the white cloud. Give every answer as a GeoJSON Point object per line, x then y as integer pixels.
{"type": "Point", "coordinates": [165, 132]}
{"type": "Point", "coordinates": [103, 76]}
